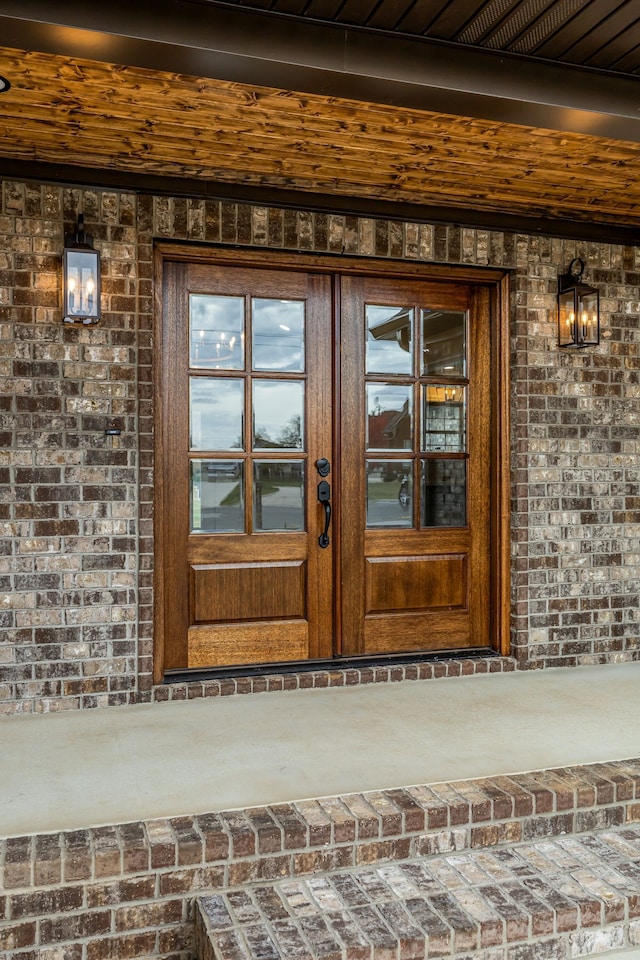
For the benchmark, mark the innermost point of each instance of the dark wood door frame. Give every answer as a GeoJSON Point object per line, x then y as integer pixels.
{"type": "Point", "coordinates": [496, 283]}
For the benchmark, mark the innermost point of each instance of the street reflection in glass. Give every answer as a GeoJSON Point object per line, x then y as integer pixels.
{"type": "Point", "coordinates": [389, 339]}
{"type": "Point", "coordinates": [443, 342]}
{"type": "Point", "coordinates": [278, 495]}
{"type": "Point", "coordinates": [278, 414]}
{"type": "Point", "coordinates": [278, 335]}
{"type": "Point", "coordinates": [216, 413]}
{"type": "Point", "coordinates": [216, 332]}
{"type": "Point", "coordinates": [217, 496]}
{"type": "Point", "coordinates": [444, 493]}
{"type": "Point", "coordinates": [389, 420]}
{"type": "Point", "coordinates": [444, 418]}
{"type": "Point", "coordinates": [389, 493]}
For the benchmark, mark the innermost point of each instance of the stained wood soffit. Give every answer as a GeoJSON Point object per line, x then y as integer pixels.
{"type": "Point", "coordinates": [258, 47]}
{"type": "Point", "coordinates": [63, 110]}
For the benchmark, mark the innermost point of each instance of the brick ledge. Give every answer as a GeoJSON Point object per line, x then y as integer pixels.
{"type": "Point", "coordinates": [333, 677]}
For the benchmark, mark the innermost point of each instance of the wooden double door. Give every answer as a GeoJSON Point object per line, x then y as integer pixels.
{"type": "Point", "coordinates": [326, 466]}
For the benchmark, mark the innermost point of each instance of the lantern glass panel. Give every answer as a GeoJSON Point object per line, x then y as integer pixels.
{"type": "Point", "coordinates": [81, 285]}
{"type": "Point", "coordinates": [566, 318]}
{"type": "Point", "coordinates": [587, 332]}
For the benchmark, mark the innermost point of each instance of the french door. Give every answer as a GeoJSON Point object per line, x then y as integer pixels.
{"type": "Point", "coordinates": [326, 482]}
{"type": "Point", "coordinates": [416, 466]}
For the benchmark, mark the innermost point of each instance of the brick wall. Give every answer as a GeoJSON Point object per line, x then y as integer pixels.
{"type": "Point", "coordinates": [76, 505]}
{"type": "Point", "coordinates": [127, 890]}
{"type": "Point", "coordinates": [70, 495]}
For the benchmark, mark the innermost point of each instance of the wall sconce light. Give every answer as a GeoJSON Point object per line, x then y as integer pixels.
{"type": "Point", "coordinates": [81, 278]}
{"type": "Point", "coordinates": [578, 309]}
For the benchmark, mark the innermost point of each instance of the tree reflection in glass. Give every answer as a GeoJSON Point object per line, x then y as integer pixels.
{"type": "Point", "coordinates": [278, 414]}
{"type": "Point", "coordinates": [216, 413]}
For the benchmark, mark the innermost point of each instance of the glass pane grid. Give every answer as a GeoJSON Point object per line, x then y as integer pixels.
{"type": "Point", "coordinates": [271, 393]}
{"type": "Point", "coordinates": [395, 379]}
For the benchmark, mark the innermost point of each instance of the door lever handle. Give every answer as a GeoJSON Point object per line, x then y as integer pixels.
{"type": "Point", "coordinates": [324, 497]}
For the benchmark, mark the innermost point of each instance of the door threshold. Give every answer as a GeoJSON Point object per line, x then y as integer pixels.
{"type": "Point", "coordinates": [311, 666]}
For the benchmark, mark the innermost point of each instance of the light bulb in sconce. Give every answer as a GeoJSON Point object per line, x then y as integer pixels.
{"type": "Point", "coordinates": [71, 292]}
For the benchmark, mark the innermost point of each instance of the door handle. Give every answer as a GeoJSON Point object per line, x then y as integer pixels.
{"type": "Point", "coordinates": [324, 497]}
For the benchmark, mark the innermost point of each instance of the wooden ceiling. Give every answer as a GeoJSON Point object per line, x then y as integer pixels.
{"type": "Point", "coordinates": [90, 120]}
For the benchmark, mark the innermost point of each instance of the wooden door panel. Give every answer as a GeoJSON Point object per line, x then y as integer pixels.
{"type": "Point", "coordinates": [248, 591]}
{"type": "Point", "coordinates": [446, 540]}
{"type": "Point", "coordinates": [231, 644]}
{"type": "Point", "coordinates": [427, 631]}
{"type": "Point", "coordinates": [416, 583]}
{"type": "Point", "coordinates": [230, 548]}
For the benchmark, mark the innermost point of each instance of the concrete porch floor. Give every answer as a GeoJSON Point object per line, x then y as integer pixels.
{"type": "Point", "coordinates": [79, 769]}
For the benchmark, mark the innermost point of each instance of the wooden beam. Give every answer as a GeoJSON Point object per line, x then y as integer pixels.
{"type": "Point", "coordinates": [318, 202]}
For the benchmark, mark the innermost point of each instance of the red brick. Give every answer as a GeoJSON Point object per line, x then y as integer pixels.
{"type": "Point", "coordinates": [16, 935]}
{"type": "Point", "coordinates": [155, 914]}
{"type": "Point", "coordinates": [122, 948]}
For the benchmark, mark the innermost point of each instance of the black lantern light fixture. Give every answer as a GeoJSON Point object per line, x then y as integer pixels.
{"type": "Point", "coordinates": [578, 309]}
{"type": "Point", "coordinates": [81, 278]}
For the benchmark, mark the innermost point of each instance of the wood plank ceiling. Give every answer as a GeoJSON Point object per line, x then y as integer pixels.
{"type": "Point", "coordinates": [64, 112]}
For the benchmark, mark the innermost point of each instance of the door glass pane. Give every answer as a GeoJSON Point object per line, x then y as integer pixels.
{"type": "Point", "coordinates": [444, 493]}
{"type": "Point", "coordinates": [389, 493]}
{"type": "Point", "coordinates": [278, 414]}
{"type": "Point", "coordinates": [389, 339]}
{"type": "Point", "coordinates": [278, 335]}
{"type": "Point", "coordinates": [389, 417]}
{"type": "Point", "coordinates": [444, 418]}
{"type": "Point", "coordinates": [216, 496]}
{"type": "Point", "coordinates": [278, 495]}
{"type": "Point", "coordinates": [443, 343]}
{"type": "Point", "coordinates": [216, 413]}
{"type": "Point", "coordinates": [216, 332]}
